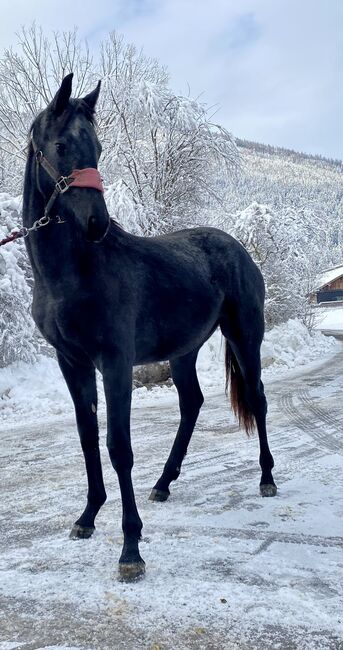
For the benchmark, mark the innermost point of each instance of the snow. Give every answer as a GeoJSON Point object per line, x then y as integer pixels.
{"type": "Point", "coordinates": [16, 646]}
{"type": "Point", "coordinates": [284, 347]}
{"type": "Point", "coordinates": [224, 566]}
{"type": "Point", "coordinates": [329, 319]}
{"type": "Point", "coordinates": [291, 345]}
{"type": "Point", "coordinates": [16, 324]}
{"type": "Point", "coordinates": [221, 561]}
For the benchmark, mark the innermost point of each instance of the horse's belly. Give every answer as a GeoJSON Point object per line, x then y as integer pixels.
{"type": "Point", "coordinates": [175, 332]}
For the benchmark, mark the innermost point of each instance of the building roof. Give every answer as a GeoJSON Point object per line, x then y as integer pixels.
{"type": "Point", "coordinates": [327, 276]}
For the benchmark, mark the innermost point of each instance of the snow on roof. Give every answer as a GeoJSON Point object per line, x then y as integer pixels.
{"type": "Point", "coordinates": [327, 276]}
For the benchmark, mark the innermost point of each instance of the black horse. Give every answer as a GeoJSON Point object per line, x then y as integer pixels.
{"type": "Point", "coordinates": [106, 299]}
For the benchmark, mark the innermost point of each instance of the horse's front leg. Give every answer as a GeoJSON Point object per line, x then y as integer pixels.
{"type": "Point", "coordinates": [81, 382]}
{"type": "Point", "coordinates": [117, 376]}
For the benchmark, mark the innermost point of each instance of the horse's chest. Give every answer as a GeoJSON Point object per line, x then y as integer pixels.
{"type": "Point", "coordinates": [73, 322]}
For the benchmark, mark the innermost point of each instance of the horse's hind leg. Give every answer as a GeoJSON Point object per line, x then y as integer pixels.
{"type": "Point", "coordinates": [190, 400]}
{"type": "Point", "coordinates": [81, 382]}
{"type": "Point", "coordinates": [243, 363]}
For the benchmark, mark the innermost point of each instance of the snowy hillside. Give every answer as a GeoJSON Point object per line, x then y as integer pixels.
{"type": "Point", "coordinates": [304, 190]}
{"type": "Point", "coordinates": [277, 176]}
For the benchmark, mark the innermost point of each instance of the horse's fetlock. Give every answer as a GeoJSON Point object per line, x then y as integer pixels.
{"type": "Point", "coordinates": [98, 501]}
{"type": "Point", "coordinates": [132, 528]}
{"type": "Point", "coordinates": [175, 473]}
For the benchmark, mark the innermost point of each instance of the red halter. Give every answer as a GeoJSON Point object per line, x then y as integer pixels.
{"type": "Point", "coordinates": [88, 177]}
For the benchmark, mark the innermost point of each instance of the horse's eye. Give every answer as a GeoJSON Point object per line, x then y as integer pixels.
{"type": "Point", "coordinates": [60, 148]}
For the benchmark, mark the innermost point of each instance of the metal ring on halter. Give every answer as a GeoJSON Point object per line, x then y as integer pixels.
{"type": "Point", "coordinates": [43, 221]}
{"type": "Point", "coordinates": [62, 185]}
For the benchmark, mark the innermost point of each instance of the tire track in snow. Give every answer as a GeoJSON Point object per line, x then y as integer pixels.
{"type": "Point", "coordinates": [309, 418]}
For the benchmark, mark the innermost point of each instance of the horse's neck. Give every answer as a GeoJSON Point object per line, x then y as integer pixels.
{"type": "Point", "coordinates": [54, 254]}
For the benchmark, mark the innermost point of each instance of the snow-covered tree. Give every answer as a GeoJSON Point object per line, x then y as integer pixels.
{"type": "Point", "coordinates": [29, 77]}
{"type": "Point", "coordinates": [17, 338]}
{"type": "Point", "coordinates": [283, 246]}
{"type": "Point", "coordinates": [167, 156]}
{"type": "Point", "coordinates": [159, 149]}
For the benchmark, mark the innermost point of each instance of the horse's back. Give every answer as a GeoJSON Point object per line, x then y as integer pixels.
{"type": "Point", "coordinates": [216, 255]}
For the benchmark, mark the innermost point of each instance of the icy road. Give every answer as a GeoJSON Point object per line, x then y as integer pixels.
{"type": "Point", "coordinates": [225, 568]}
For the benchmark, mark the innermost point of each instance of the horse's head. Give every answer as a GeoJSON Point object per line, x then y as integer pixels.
{"type": "Point", "coordinates": [64, 140]}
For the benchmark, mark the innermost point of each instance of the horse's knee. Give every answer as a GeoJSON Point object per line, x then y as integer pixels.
{"type": "Point", "coordinates": [121, 456]}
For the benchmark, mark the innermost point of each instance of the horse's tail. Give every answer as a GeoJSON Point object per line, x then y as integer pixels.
{"type": "Point", "coordinates": [239, 402]}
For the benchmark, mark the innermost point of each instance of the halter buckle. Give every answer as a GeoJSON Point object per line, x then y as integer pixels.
{"type": "Point", "coordinates": [62, 185]}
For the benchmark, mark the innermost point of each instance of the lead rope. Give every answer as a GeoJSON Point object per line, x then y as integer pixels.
{"type": "Point", "coordinates": [17, 233]}
{"type": "Point", "coordinates": [61, 185]}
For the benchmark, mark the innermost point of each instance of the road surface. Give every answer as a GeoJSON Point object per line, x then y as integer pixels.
{"type": "Point", "coordinates": [225, 568]}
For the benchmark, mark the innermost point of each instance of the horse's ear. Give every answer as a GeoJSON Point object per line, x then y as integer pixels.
{"type": "Point", "coordinates": [92, 98]}
{"type": "Point", "coordinates": [61, 99]}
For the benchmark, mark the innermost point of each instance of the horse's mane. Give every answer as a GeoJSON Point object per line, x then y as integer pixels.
{"type": "Point", "coordinates": [114, 227]}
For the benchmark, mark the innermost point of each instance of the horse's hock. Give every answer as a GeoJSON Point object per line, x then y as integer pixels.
{"type": "Point", "coordinates": [152, 373]}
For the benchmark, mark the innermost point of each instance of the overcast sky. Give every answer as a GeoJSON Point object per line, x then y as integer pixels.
{"type": "Point", "coordinates": [273, 68]}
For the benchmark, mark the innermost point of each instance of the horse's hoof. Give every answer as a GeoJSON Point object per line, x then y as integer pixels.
{"type": "Point", "coordinates": [268, 490]}
{"type": "Point", "coordinates": [158, 495]}
{"type": "Point", "coordinates": [81, 532]}
{"type": "Point", "coordinates": [131, 571]}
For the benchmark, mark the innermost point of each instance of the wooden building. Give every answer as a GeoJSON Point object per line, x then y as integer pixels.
{"type": "Point", "coordinates": [329, 286]}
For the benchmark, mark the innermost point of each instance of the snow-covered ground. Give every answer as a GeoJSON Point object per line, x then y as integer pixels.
{"type": "Point", "coordinates": [226, 569]}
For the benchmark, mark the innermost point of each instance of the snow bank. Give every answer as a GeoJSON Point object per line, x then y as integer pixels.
{"type": "Point", "coordinates": [284, 347]}
{"type": "Point", "coordinates": [37, 391]}
{"type": "Point", "coordinates": [291, 344]}
{"type": "Point", "coordinates": [34, 391]}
